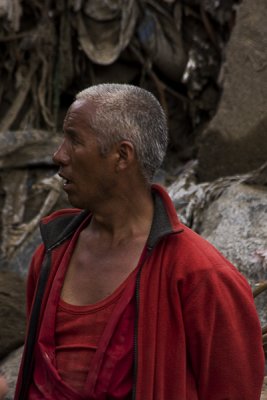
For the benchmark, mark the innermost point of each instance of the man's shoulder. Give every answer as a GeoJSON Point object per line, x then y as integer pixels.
{"type": "Point", "coordinates": [196, 252]}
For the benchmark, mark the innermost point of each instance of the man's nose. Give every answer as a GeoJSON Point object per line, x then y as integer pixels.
{"type": "Point", "coordinates": [60, 157]}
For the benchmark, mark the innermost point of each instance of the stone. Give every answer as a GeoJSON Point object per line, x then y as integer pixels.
{"type": "Point", "coordinates": [236, 223]}
{"type": "Point", "coordinates": [27, 148]}
{"type": "Point", "coordinates": [9, 368]}
{"type": "Point", "coordinates": [235, 139]}
{"type": "Point", "coordinates": [12, 312]}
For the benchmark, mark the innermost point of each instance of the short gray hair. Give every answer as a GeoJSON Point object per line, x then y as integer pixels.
{"type": "Point", "coordinates": [127, 112]}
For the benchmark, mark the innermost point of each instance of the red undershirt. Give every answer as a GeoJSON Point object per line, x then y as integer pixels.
{"type": "Point", "coordinates": [78, 330]}
{"type": "Point", "coordinates": [89, 357]}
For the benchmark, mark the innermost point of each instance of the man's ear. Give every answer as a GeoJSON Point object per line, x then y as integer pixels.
{"type": "Point", "coordinates": [125, 155]}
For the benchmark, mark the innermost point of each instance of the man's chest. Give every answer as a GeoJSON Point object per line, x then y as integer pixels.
{"type": "Point", "coordinates": [94, 274]}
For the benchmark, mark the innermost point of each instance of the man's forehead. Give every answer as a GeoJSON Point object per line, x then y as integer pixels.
{"type": "Point", "coordinates": [80, 108]}
{"type": "Point", "coordinates": [83, 104]}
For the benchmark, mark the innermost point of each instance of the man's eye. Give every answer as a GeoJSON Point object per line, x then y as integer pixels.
{"type": "Point", "coordinates": [74, 140]}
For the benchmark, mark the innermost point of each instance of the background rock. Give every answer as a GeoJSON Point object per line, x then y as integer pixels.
{"type": "Point", "coordinates": [9, 367]}
{"type": "Point", "coordinates": [236, 224]}
{"type": "Point", "coordinates": [235, 140]}
{"type": "Point", "coordinates": [12, 312]}
{"type": "Point", "coordinates": [27, 148]}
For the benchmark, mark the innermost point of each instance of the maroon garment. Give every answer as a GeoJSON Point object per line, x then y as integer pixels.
{"type": "Point", "coordinates": [110, 375]}
{"type": "Point", "coordinates": [78, 331]}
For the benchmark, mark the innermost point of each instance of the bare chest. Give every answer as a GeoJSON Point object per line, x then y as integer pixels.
{"type": "Point", "coordinates": [94, 274]}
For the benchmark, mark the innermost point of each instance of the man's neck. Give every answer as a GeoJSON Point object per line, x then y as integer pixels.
{"type": "Point", "coordinates": [128, 215]}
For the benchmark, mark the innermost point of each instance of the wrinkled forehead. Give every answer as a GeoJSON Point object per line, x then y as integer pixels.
{"type": "Point", "coordinates": [81, 111]}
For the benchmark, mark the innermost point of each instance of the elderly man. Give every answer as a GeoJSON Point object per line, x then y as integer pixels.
{"type": "Point", "coordinates": [135, 305]}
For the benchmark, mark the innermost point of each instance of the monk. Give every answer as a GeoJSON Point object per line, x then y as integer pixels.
{"type": "Point", "coordinates": [135, 305]}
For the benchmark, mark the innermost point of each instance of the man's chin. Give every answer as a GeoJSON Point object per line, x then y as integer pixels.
{"type": "Point", "coordinates": [74, 202]}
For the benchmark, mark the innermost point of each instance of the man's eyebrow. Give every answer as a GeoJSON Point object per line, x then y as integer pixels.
{"type": "Point", "coordinates": [70, 132]}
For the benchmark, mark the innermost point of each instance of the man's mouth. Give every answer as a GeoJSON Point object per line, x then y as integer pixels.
{"type": "Point", "coordinates": [66, 181]}
{"type": "Point", "coordinates": [67, 184]}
